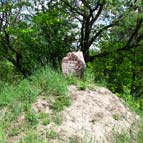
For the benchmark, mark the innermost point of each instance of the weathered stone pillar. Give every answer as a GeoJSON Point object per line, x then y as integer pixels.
{"type": "Point", "coordinates": [73, 64]}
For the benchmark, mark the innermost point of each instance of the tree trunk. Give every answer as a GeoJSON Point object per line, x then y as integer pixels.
{"type": "Point", "coordinates": [85, 36]}
{"type": "Point", "coordinates": [19, 66]}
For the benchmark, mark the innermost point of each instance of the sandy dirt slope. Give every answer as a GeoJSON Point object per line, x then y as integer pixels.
{"type": "Point", "coordinates": [95, 116]}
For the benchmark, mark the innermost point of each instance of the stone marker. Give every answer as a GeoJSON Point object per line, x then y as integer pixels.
{"type": "Point", "coordinates": [73, 64]}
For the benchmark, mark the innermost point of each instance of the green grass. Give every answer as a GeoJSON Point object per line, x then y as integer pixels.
{"type": "Point", "coordinates": [122, 138]}
{"type": "Point", "coordinates": [2, 136]}
{"type": "Point", "coordinates": [45, 119]}
{"type": "Point", "coordinates": [32, 137]}
{"type": "Point", "coordinates": [31, 117]}
{"type": "Point", "coordinates": [140, 133]}
{"type": "Point", "coordinates": [57, 119]}
{"type": "Point", "coordinates": [116, 116]}
{"type": "Point", "coordinates": [47, 81]}
{"type": "Point", "coordinates": [136, 106]}
{"type": "Point", "coordinates": [18, 99]}
{"type": "Point", "coordinates": [52, 134]}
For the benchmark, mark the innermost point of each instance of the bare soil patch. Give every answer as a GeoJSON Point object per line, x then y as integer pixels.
{"type": "Point", "coordinates": [95, 116]}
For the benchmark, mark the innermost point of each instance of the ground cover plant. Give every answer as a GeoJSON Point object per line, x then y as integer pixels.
{"type": "Point", "coordinates": [17, 99]}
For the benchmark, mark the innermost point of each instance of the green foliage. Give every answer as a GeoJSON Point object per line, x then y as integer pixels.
{"type": "Point", "coordinates": [32, 137]}
{"type": "Point", "coordinates": [82, 86]}
{"type": "Point", "coordinates": [45, 118]}
{"type": "Point", "coordinates": [2, 136]}
{"type": "Point", "coordinates": [24, 91]}
{"type": "Point", "coordinates": [141, 103]}
{"type": "Point", "coordinates": [19, 98]}
{"type": "Point", "coordinates": [115, 70]}
{"type": "Point", "coordinates": [46, 121]}
{"type": "Point", "coordinates": [57, 119]}
{"type": "Point", "coordinates": [13, 132]}
{"type": "Point", "coordinates": [49, 81]}
{"type": "Point", "coordinates": [30, 41]}
{"type": "Point", "coordinates": [7, 72]}
{"type": "Point", "coordinates": [52, 134]}
{"type": "Point", "coordinates": [89, 74]}
{"type": "Point", "coordinates": [43, 36]}
{"type": "Point", "coordinates": [74, 140]}
{"type": "Point", "coordinates": [31, 117]}
{"type": "Point", "coordinates": [122, 138]}
{"type": "Point", "coordinates": [116, 116]}
{"type": "Point", "coordinates": [72, 80]}
{"type": "Point", "coordinates": [60, 103]}
{"type": "Point", "coordinates": [134, 104]}
{"type": "Point", "coordinates": [140, 133]}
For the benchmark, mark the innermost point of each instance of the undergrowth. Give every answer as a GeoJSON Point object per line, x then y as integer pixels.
{"type": "Point", "coordinates": [135, 105]}
{"type": "Point", "coordinates": [17, 99]}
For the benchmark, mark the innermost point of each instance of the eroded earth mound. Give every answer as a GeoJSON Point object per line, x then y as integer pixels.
{"type": "Point", "coordinates": [95, 116]}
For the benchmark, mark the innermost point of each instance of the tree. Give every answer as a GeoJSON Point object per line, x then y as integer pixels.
{"type": "Point", "coordinates": [32, 37]}
{"type": "Point", "coordinates": [36, 33]}
{"type": "Point", "coordinates": [54, 29]}
{"type": "Point", "coordinates": [99, 17]}
{"type": "Point", "coordinates": [115, 27]}
{"type": "Point", "coordinates": [10, 18]}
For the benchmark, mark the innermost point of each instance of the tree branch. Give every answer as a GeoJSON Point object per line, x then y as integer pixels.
{"type": "Point", "coordinates": [101, 31]}
{"type": "Point", "coordinates": [72, 8]}
{"type": "Point", "coordinates": [135, 33]}
{"type": "Point", "coordinates": [105, 54]}
{"type": "Point", "coordinates": [98, 13]}
{"type": "Point", "coordinates": [86, 4]}
{"type": "Point", "coordinates": [128, 44]}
